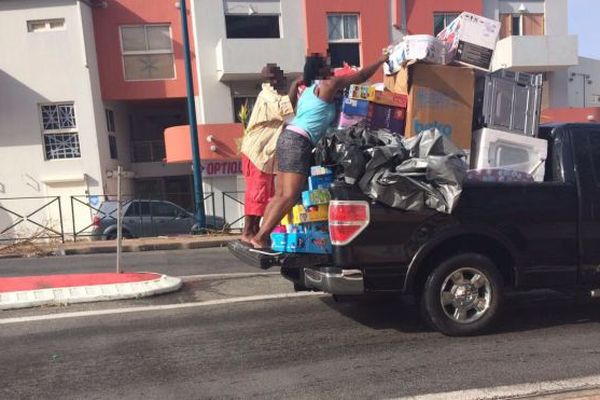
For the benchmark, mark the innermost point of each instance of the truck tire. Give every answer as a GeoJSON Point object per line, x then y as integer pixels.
{"type": "Point", "coordinates": [463, 295]}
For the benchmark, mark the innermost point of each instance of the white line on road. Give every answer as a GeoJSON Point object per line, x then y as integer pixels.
{"type": "Point", "coordinates": [516, 391]}
{"type": "Point", "coordinates": [6, 321]}
{"type": "Point", "coordinates": [188, 278]}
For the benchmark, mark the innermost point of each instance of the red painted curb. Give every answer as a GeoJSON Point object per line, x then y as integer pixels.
{"type": "Point", "coordinates": [20, 283]}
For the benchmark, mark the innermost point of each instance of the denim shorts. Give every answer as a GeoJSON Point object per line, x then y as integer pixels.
{"type": "Point", "coordinates": [294, 153]}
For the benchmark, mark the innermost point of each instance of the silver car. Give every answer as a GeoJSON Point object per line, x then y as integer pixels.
{"type": "Point", "coordinates": [145, 218]}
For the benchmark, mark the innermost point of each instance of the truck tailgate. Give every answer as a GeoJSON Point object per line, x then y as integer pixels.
{"type": "Point", "coordinates": [244, 253]}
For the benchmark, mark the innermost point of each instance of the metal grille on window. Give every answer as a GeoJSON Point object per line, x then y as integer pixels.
{"type": "Point", "coordinates": [59, 127]}
{"type": "Point", "coordinates": [62, 145]}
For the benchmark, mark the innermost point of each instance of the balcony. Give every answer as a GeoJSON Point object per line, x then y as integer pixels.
{"type": "Point", "coordinates": [535, 53]}
{"type": "Point", "coordinates": [243, 59]}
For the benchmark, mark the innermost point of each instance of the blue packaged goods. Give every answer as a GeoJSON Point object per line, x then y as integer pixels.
{"type": "Point", "coordinates": [279, 241]}
{"type": "Point", "coordinates": [355, 107]}
{"type": "Point", "coordinates": [315, 197]}
{"type": "Point", "coordinates": [320, 182]}
{"type": "Point", "coordinates": [319, 170]}
{"type": "Point", "coordinates": [315, 242]}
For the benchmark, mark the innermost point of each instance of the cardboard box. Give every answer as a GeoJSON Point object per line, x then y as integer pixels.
{"type": "Point", "coordinates": [439, 96]}
{"type": "Point", "coordinates": [315, 197]}
{"type": "Point", "coordinates": [279, 241]}
{"type": "Point", "coordinates": [387, 98]}
{"type": "Point", "coordinates": [302, 215]}
{"type": "Point", "coordinates": [310, 242]}
{"type": "Point", "coordinates": [425, 48]}
{"type": "Point", "coordinates": [471, 40]}
{"type": "Point", "coordinates": [355, 107]}
{"type": "Point", "coordinates": [387, 117]}
{"type": "Point", "coordinates": [320, 182]}
{"type": "Point", "coordinates": [346, 121]}
{"type": "Point", "coordinates": [317, 170]}
{"type": "Point", "coordinates": [358, 92]}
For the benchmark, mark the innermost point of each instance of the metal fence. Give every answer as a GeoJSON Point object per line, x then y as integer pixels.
{"type": "Point", "coordinates": [46, 217]}
{"type": "Point", "coordinates": [31, 218]}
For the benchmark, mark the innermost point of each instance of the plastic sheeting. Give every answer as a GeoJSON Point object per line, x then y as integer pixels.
{"type": "Point", "coordinates": [411, 174]}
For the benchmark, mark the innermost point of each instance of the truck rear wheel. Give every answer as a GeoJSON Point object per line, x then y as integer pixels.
{"type": "Point", "coordinates": [463, 295]}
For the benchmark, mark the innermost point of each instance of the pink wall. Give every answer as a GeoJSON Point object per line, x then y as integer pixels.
{"type": "Point", "coordinates": [374, 25]}
{"type": "Point", "coordinates": [420, 12]}
{"type": "Point", "coordinates": [108, 46]}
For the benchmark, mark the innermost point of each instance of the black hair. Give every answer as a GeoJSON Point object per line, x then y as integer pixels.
{"type": "Point", "coordinates": [312, 68]}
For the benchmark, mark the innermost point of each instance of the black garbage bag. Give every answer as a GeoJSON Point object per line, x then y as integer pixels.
{"type": "Point", "coordinates": [431, 175]}
{"type": "Point", "coordinates": [424, 171]}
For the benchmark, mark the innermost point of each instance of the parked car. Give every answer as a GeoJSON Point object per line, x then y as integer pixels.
{"type": "Point", "coordinates": [144, 218]}
{"type": "Point", "coordinates": [500, 237]}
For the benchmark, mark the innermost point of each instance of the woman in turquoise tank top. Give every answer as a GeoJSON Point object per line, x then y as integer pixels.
{"type": "Point", "coordinates": [315, 113]}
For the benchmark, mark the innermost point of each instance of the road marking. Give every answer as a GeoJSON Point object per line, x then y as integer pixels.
{"type": "Point", "coordinates": [516, 391]}
{"type": "Point", "coordinates": [245, 299]}
{"type": "Point", "coordinates": [188, 278]}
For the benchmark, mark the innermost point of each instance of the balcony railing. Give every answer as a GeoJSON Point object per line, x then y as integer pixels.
{"type": "Point", "coordinates": [148, 151]}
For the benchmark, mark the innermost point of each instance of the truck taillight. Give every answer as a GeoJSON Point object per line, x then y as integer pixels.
{"type": "Point", "coordinates": [347, 219]}
{"type": "Point", "coordinates": [96, 221]}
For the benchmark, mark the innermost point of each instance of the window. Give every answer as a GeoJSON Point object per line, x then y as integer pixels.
{"type": "Point", "coordinates": [112, 144]}
{"type": "Point", "coordinates": [147, 52]}
{"type": "Point", "coordinates": [59, 130]}
{"type": "Point", "coordinates": [442, 20]}
{"type": "Point", "coordinates": [521, 24]}
{"type": "Point", "coordinates": [344, 43]}
{"type": "Point", "coordinates": [110, 120]}
{"type": "Point", "coordinates": [165, 210]}
{"type": "Point", "coordinates": [134, 209]}
{"type": "Point", "coordinates": [252, 26]}
{"type": "Point", "coordinates": [238, 102]}
{"type": "Point", "coordinates": [46, 25]}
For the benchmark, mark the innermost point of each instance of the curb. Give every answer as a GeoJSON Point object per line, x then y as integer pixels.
{"type": "Point", "coordinates": [126, 249]}
{"type": "Point", "coordinates": [87, 294]}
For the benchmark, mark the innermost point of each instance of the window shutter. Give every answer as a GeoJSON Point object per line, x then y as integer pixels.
{"type": "Point", "coordinates": [505, 28]}
{"type": "Point", "coordinates": [533, 24]}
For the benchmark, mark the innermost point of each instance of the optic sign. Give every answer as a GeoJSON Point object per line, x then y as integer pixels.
{"type": "Point", "coordinates": [211, 169]}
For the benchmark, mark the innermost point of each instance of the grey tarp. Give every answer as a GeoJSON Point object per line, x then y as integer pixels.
{"type": "Point", "coordinates": [411, 174]}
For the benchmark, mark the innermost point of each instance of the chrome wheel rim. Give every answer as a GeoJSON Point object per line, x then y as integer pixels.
{"type": "Point", "coordinates": [466, 295]}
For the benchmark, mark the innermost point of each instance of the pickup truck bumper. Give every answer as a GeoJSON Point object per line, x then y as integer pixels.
{"type": "Point", "coordinates": [335, 280]}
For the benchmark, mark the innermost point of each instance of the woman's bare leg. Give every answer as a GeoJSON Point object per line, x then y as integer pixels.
{"type": "Point", "coordinates": [287, 192]}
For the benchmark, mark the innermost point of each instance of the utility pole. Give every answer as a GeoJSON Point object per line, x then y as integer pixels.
{"type": "Point", "coordinates": [189, 78]}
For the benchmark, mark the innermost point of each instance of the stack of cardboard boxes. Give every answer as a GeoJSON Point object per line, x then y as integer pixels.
{"type": "Point", "coordinates": [305, 229]}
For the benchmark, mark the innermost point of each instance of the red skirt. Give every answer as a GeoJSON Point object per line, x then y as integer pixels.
{"type": "Point", "coordinates": [260, 188]}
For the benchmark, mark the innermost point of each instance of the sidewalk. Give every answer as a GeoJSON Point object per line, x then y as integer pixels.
{"type": "Point", "coordinates": [32, 291]}
{"type": "Point", "coordinates": [129, 245]}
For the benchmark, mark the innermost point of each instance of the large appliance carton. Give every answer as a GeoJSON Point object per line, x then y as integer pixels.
{"type": "Point", "coordinates": [471, 40]}
{"type": "Point", "coordinates": [439, 96]}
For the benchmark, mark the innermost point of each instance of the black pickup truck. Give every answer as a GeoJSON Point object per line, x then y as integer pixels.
{"type": "Point", "coordinates": [501, 236]}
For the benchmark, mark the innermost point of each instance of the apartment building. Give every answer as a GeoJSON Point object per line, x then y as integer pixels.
{"type": "Point", "coordinates": [90, 84]}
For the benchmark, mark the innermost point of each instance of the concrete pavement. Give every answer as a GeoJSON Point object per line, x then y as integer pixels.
{"type": "Point", "coordinates": [298, 348]}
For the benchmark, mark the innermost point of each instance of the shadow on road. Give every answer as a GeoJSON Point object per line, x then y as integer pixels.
{"type": "Point", "coordinates": [522, 312]}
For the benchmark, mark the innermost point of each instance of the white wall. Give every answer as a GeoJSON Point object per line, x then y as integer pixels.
{"type": "Point", "coordinates": [46, 67]}
{"type": "Point", "coordinates": [590, 67]}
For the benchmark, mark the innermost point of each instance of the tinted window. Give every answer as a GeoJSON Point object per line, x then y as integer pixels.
{"type": "Point", "coordinates": [164, 210]}
{"type": "Point", "coordinates": [145, 207]}
{"type": "Point", "coordinates": [133, 210]}
{"type": "Point", "coordinates": [252, 26]}
{"type": "Point", "coordinates": [594, 139]}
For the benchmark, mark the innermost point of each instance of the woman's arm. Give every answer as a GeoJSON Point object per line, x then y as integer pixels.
{"type": "Point", "coordinates": [329, 88]}
{"type": "Point", "coordinates": [293, 92]}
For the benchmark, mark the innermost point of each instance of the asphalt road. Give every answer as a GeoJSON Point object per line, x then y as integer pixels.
{"type": "Point", "coordinates": [173, 262]}
{"type": "Point", "coordinates": [304, 348]}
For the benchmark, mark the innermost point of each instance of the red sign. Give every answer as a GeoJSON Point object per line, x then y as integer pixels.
{"type": "Point", "coordinates": [221, 168]}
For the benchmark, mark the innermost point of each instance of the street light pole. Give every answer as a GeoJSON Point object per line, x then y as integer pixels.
{"type": "Point", "coordinates": [196, 166]}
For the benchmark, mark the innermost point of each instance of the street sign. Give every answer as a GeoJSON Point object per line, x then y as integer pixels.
{"type": "Point", "coordinates": [214, 169]}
